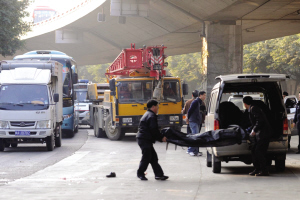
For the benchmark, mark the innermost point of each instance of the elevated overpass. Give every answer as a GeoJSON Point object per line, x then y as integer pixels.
{"type": "Point", "coordinates": [177, 24]}
{"type": "Point", "coordinates": [218, 28]}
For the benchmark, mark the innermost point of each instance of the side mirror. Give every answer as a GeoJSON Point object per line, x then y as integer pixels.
{"type": "Point", "coordinates": [56, 97]}
{"type": "Point", "coordinates": [75, 78]}
{"type": "Point", "coordinates": [185, 89]}
{"type": "Point", "coordinates": [112, 86]}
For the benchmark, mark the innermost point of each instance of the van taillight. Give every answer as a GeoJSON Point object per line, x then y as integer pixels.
{"type": "Point", "coordinates": [216, 125]}
{"type": "Point", "coordinates": [285, 126]}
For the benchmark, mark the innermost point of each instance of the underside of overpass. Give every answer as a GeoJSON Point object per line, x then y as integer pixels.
{"type": "Point", "coordinates": [177, 24]}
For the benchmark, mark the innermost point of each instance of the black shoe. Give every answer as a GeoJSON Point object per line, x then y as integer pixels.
{"type": "Point", "coordinates": [112, 174]}
{"type": "Point", "coordinates": [143, 178]}
{"type": "Point", "coordinates": [161, 178]}
{"type": "Point", "coordinates": [254, 173]}
{"type": "Point", "coordinates": [298, 152]}
{"type": "Point", "coordinates": [263, 174]}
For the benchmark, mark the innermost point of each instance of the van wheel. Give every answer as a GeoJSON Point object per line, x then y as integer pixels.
{"type": "Point", "coordinates": [280, 163]}
{"type": "Point", "coordinates": [58, 137]}
{"type": "Point", "coordinates": [50, 143]}
{"type": "Point", "coordinates": [216, 165]}
{"type": "Point", "coordinates": [1, 145]}
{"type": "Point", "coordinates": [113, 133]}
{"type": "Point", "coordinates": [208, 159]}
{"type": "Point", "coordinates": [269, 162]}
{"type": "Point", "coordinates": [177, 128]}
{"type": "Point", "coordinates": [14, 144]}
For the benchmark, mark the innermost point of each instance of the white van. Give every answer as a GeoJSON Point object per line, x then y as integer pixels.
{"type": "Point", "coordinates": [222, 113]}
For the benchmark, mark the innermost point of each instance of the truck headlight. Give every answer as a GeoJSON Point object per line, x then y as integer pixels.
{"type": "Point", "coordinates": [68, 116]}
{"type": "Point", "coordinates": [127, 120]}
{"type": "Point", "coordinates": [4, 124]}
{"type": "Point", "coordinates": [174, 118]}
{"type": "Point", "coordinates": [44, 124]}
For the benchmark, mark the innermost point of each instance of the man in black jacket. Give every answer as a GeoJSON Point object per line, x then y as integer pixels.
{"type": "Point", "coordinates": [260, 131]}
{"type": "Point", "coordinates": [147, 135]}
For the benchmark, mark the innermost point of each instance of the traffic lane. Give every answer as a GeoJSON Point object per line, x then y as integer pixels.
{"type": "Point", "coordinates": [83, 176]}
{"type": "Point", "coordinates": [27, 159]}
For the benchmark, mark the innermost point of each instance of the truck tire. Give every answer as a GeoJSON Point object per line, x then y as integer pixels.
{"type": "Point", "coordinates": [216, 165]}
{"type": "Point", "coordinates": [58, 137]}
{"type": "Point", "coordinates": [113, 133]}
{"type": "Point", "coordinates": [6, 144]}
{"type": "Point", "coordinates": [208, 159]}
{"type": "Point", "coordinates": [98, 132]}
{"type": "Point", "coordinates": [2, 145]}
{"type": "Point", "coordinates": [76, 129]}
{"type": "Point", "coordinates": [50, 143]}
{"type": "Point", "coordinates": [14, 145]}
{"type": "Point", "coordinates": [280, 163]}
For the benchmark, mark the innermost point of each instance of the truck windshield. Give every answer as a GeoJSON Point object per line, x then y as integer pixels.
{"type": "Point", "coordinates": [171, 91]}
{"type": "Point", "coordinates": [28, 97]}
{"type": "Point", "coordinates": [67, 75]}
{"type": "Point", "coordinates": [81, 96]}
{"type": "Point", "coordinates": [134, 91]}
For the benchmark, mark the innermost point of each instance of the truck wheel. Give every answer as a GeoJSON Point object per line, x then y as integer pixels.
{"type": "Point", "coordinates": [76, 129]}
{"type": "Point", "coordinates": [14, 144]}
{"type": "Point", "coordinates": [280, 163]}
{"type": "Point", "coordinates": [216, 165]}
{"type": "Point", "coordinates": [6, 144]}
{"type": "Point", "coordinates": [113, 133]}
{"type": "Point", "coordinates": [98, 132]}
{"type": "Point", "coordinates": [208, 159]}
{"type": "Point", "coordinates": [58, 137]}
{"type": "Point", "coordinates": [50, 143]}
{"type": "Point", "coordinates": [1, 145]}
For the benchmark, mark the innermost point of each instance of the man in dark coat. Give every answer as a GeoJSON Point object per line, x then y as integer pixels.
{"type": "Point", "coordinates": [297, 122]}
{"type": "Point", "coordinates": [187, 107]}
{"type": "Point", "coordinates": [147, 135]}
{"type": "Point", "coordinates": [195, 119]}
{"type": "Point", "coordinates": [260, 131]}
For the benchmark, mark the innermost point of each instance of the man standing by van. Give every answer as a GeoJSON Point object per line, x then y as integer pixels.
{"type": "Point", "coordinates": [260, 131]}
{"type": "Point", "coordinates": [187, 107]}
{"type": "Point", "coordinates": [297, 122]}
{"type": "Point", "coordinates": [195, 121]}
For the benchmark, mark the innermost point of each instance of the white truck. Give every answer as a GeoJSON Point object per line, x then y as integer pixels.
{"type": "Point", "coordinates": [30, 103]}
{"type": "Point", "coordinates": [82, 102]}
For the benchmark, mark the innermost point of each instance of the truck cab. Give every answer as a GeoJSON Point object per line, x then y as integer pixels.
{"type": "Point", "coordinates": [30, 103]}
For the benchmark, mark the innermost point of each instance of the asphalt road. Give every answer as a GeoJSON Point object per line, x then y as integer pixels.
{"type": "Point", "coordinates": [78, 170]}
{"type": "Point", "coordinates": [27, 159]}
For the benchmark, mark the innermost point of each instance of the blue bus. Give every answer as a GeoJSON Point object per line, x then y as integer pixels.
{"type": "Point", "coordinates": [70, 77]}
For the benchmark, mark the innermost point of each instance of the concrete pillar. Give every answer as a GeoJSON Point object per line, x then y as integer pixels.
{"type": "Point", "coordinates": [222, 53]}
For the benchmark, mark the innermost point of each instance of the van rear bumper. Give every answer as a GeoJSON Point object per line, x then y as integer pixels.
{"type": "Point", "coordinates": [275, 147]}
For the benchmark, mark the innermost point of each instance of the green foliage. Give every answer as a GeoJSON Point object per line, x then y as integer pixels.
{"type": "Point", "coordinates": [94, 73]}
{"type": "Point", "coordinates": [280, 55]}
{"type": "Point", "coordinates": [12, 26]}
{"type": "Point", "coordinates": [188, 67]}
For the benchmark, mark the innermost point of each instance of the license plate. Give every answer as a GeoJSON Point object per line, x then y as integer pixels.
{"type": "Point", "coordinates": [23, 133]}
